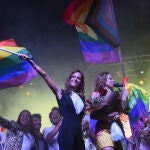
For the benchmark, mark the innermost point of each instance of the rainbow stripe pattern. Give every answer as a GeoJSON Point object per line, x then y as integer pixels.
{"type": "Point", "coordinates": [14, 71]}
{"type": "Point", "coordinates": [138, 107]}
{"type": "Point", "coordinates": [96, 28]}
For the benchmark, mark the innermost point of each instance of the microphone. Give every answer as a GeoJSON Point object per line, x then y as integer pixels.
{"type": "Point", "coordinates": [118, 85]}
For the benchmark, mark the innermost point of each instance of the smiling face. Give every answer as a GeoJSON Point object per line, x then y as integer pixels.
{"type": "Point", "coordinates": [55, 116]}
{"type": "Point", "coordinates": [75, 80]}
{"type": "Point", "coordinates": [109, 81]}
{"type": "Point", "coordinates": [25, 118]}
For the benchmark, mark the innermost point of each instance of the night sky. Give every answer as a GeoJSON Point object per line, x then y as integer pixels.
{"type": "Point", "coordinates": [38, 26]}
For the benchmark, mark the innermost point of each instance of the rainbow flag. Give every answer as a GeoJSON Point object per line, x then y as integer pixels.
{"type": "Point", "coordinates": [96, 28]}
{"type": "Point", "coordinates": [14, 71]}
{"type": "Point", "coordinates": [138, 107]}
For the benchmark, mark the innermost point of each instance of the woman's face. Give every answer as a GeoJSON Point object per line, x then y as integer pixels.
{"type": "Point", "coordinates": [25, 118]}
{"type": "Point", "coordinates": [75, 80]}
{"type": "Point", "coordinates": [109, 81]}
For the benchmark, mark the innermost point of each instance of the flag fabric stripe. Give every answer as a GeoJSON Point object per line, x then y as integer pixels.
{"type": "Point", "coordinates": [137, 111]}
{"type": "Point", "coordinates": [8, 59]}
{"type": "Point", "coordinates": [7, 62]}
{"type": "Point", "coordinates": [13, 79]}
{"type": "Point", "coordinates": [94, 47]}
{"type": "Point", "coordinates": [15, 49]}
{"type": "Point", "coordinates": [96, 51]}
{"type": "Point", "coordinates": [9, 42]}
{"type": "Point", "coordinates": [72, 14]}
{"type": "Point", "coordinates": [99, 58]}
{"type": "Point", "coordinates": [138, 107]}
{"type": "Point", "coordinates": [96, 28]}
{"type": "Point", "coordinates": [14, 71]}
{"type": "Point", "coordinates": [103, 18]}
{"type": "Point", "coordinates": [21, 68]}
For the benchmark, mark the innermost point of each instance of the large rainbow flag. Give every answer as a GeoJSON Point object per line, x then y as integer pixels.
{"type": "Point", "coordinates": [14, 71]}
{"type": "Point", "coordinates": [138, 107]}
{"type": "Point", "coordinates": [96, 28]}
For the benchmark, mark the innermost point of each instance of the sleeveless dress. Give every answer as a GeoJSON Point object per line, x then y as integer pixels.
{"type": "Point", "coordinates": [70, 133]}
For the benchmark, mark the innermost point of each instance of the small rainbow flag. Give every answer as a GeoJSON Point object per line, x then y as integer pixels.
{"type": "Point", "coordinates": [138, 107]}
{"type": "Point", "coordinates": [14, 71]}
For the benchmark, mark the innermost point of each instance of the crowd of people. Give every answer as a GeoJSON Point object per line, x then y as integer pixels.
{"type": "Point", "coordinates": [77, 123]}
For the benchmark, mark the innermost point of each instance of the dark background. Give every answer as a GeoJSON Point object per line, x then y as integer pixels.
{"type": "Point", "coordinates": [38, 26]}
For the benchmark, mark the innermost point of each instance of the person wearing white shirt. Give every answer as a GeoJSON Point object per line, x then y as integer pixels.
{"type": "Point", "coordinates": [51, 133]}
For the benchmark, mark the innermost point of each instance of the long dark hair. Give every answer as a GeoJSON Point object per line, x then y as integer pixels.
{"type": "Point", "coordinates": [100, 81]}
{"type": "Point", "coordinates": [29, 128]}
{"type": "Point", "coordinates": [80, 89]}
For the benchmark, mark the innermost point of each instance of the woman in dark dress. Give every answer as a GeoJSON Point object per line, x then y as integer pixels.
{"type": "Point", "coordinates": [71, 105]}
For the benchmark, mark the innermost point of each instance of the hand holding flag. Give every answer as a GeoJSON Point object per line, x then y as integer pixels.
{"type": "Point", "coordinates": [23, 56]}
{"type": "Point", "coordinates": [19, 54]}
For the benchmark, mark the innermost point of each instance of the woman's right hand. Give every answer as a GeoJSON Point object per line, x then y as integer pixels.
{"type": "Point", "coordinates": [23, 56]}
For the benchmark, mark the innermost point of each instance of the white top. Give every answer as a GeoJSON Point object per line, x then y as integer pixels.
{"type": "Point", "coordinates": [77, 102]}
{"type": "Point", "coordinates": [28, 142]}
{"type": "Point", "coordinates": [54, 143]}
{"type": "Point", "coordinates": [89, 145]}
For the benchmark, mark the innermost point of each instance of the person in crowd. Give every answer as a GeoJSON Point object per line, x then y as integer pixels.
{"type": "Point", "coordinates": [51, 133]}
{"type": "Point", "coordinates": [20, 134]}
{"type": "Point", "coordinates": [145, 136]}
{"type": "Point", "coordinates": [36, 120]}
{"type": "Point", "coordinates": [89, 134]}
{"type": "Point", "coordinates": [106, 106]}
{"type": "Point", "coordinates": [71, 103]}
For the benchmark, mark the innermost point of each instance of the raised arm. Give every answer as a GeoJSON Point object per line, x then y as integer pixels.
{"type": "Point", "coordinates": [124, 98]}
{"type": "Point", "coordinates": [9, 124]}
{"type": "Point", "coordinates": [51, 135]}
{"type": "Point", "coordinates": [51, 84]}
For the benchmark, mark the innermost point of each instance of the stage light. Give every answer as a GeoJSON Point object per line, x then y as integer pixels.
{"type": "Point", "coordinates": [31, 83]}
{"type": "Point", "coordinates": [27, 93]}
{"type": "Point", "coordinates": [141, 82]}
{"type": "Point", "coordinates": [142, 72]}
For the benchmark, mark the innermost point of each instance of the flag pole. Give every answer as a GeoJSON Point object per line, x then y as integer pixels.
{"type": "Point", "coordinates": [9, 51]}
{"type": "Point", "coordinates": [5, 50]}
{"type": "Point", "coordinates": [118, 48]}
{"type": "Point", "coordinates": [121, 61]}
